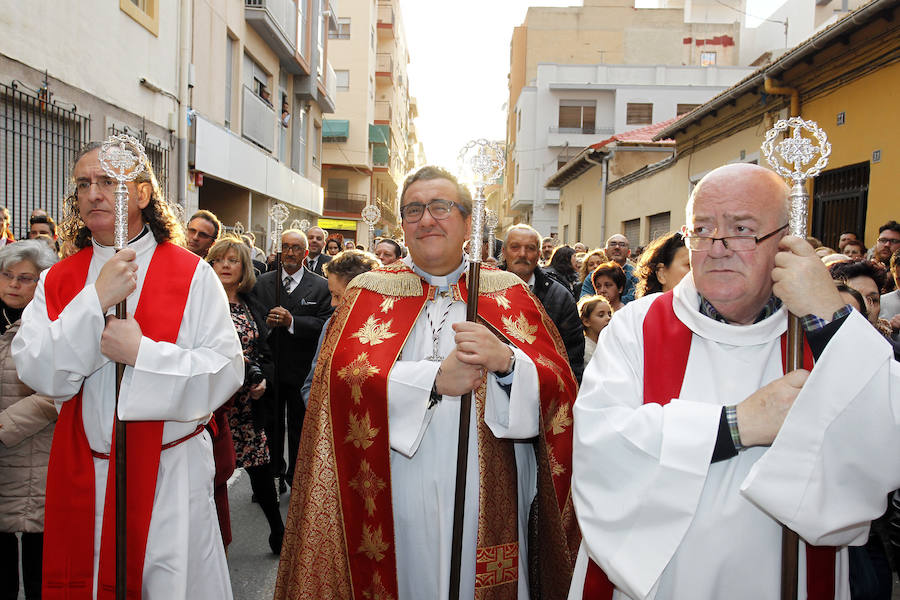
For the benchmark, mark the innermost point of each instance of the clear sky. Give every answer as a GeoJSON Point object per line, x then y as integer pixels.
{"type": "Point", "coordinates": [459, 62]}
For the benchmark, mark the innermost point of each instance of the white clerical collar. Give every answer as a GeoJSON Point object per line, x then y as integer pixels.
{"type": "Point", "coordinates": [531, 281]}
{"type": "Point", "coordinates": [687, 309]}
{"type": "Point", "coordinates": [140, 243]}
{"type": "Point", "coordinates": [442, 282]}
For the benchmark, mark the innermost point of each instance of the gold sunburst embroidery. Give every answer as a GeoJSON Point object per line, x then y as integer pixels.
{"type": "Point", "coordinates": [377, 591]}
{"type": "Point", "coordinates": [543, 360]}
{"type": "Point", "coordinates": [388, 303]}
{"type": "Point", "coordinates": [560, 420]}
{"type": "Point", "coordinates": [556, 467]}
{"type": "Point", "coordinates": [368, 485]}
{"type": "Point", "coordinates": [520, 328]}
{"type": "Point", "coordinates": [500, 298]}
{"type": "Point", "coordinates": [360, 431]}
{"type": "Point", "coordinates": [373, 331]}
{"type": "Point", "coordinates": [373, 544]}
{"type": "Point", "coordinates": [356, 373]}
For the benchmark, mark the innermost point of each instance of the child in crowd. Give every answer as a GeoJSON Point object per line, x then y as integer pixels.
{"type": "Point", "coordinates": [595, 312]}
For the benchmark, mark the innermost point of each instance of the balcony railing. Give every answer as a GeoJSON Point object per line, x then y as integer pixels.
{"type": "Point", "coordinates": [385, 14]}
{"type": "Point", "coordinates": [384, 63]}
{"type": "Point", "coordinates": [276, 22]}
{"type": "Point", "coordinates": [344, 202]}
{"type": "Point", "coordinates": [257, 120]}
{"type": "Point", "coordinates": [590, 130]}
{"type": "Point", "coordinates": [382, 110]}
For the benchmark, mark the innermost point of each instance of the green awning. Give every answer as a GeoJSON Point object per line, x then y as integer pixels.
{"type": "Point", "coordinates": [381, 156]}
{"type": "Point", "coordinates": [380, 134]}
{"type": "Point", "coordinates": [335, 130]}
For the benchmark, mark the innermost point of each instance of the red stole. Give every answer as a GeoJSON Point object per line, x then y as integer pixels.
{"type": "Point", "coordinates": [663, 377]}
{"type": "Point", "coordinates": [69, 508]}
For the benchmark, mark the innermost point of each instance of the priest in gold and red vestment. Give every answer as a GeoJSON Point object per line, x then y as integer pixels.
{"type": "Point", "coordinates": [372, 501]}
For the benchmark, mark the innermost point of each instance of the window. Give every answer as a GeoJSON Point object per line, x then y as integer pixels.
{"type": "Point", "coordinates": [300, 128]}
{"type": "Point", "coordinates": [639, 113]}
{"type": "Point", "coordinates": [320, 40]}
{"type": "Point", "coordinates": [659, 225]}
{"type": "Point", "coordinates": [343, 80]}
{"type": "Point", "coordinates": [707, 59]}
{"type": "Point", "coordinates": [145, 12]}
{"type": "Point", "coordinates": [229, 78]}
{"type": "Point", "coordinates": [565, 234]}
{"type": "Point", "coordinates": [632, 230]}
{"type": "Point", "coordinates": [578, 223]}
{"type": "Point", "coordinates": [683, 109]}
{"type": "Point", "coordinates": [317, 144]}
{"type": "Point", "coordinates": [255, 78]}
{"type": "Point", "coordinates": [577, 116]}
{"type": "Point", "coordinates": [343, 29]}
{"type": "Point", "coordinates": [301, 27]}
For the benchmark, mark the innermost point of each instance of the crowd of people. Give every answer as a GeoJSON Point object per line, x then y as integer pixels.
{"type": "Point", "coordinates": [336, 373]}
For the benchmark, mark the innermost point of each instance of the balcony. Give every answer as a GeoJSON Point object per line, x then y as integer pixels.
{"type": "Point", "coordinates": [344, 202]}
{"type": "Point", "coordinates": [330, 86]}
{"type": "Point", "coordinates": [384, 67]}
{"type": "Point", "coordinates": [276, 23]}
{"type": "Point", "coordinates": [383, 111]}
{"type": "Point", "coordinates": [385, 21]}
{"type": "Point", "coordinates": [577, 137]}
{"type": "Point", "coordinates": [257, 120]}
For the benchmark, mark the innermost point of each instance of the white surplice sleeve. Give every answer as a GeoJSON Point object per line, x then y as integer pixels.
{"type": "Point", "coordinates": [837, 455]}
{"type": "Point", "coordinates": [638, 470]}
{"type": "Point", "coordinates": [513, 415]}
{"type": "Point", "coordinates": [188, 380]}
{"type": "Point", "coordinates": [54, 358]}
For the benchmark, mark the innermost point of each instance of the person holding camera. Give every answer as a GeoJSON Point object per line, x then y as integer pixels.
{"type": "Point", "coordinates": [230, 259]}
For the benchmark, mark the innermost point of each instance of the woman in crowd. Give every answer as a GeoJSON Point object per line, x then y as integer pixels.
{"type": "Point", "coordinates": [595, 313]}
{"type": "Point", "coordinates": [26, 429]}
{"type": "Point", "coordinates": [560, 269]}
{"type": "Point", "coordinates": [854, 249]}
{"type": "Point", "coordinates": [333, 245]}
{"type": "Point", "coordinates": [340, 271]}
{"type": "Point", "coordinates": [663, 264]}
{"type": "Point", "coordinates": [592, 260]}
{"type": "Point", "coordinates": [388, 251]}
{"type": "Point", "coordinates": [231, 261]}
{"type": "Point", "coordinates": [609, 281]}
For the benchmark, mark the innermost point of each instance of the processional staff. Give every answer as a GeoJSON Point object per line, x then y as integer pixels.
{"type": "Point", "coordinates": [485, 162]}
{"type": "Point", "coordinates": [279, 214]}
{"type": "Point", "coordinates": [789, 158]}
{"type": "Point", "coordinates": [371, 214]}
{"type": "Point", "coordinates": [122, 158]}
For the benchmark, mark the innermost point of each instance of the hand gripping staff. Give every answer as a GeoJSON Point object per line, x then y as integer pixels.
{"type": "Point", "coordinates": [122, 158]}
{"type": "Point", "coordinates": [789, 157]}
{"type": "Point", "coordinates": [484, 161]}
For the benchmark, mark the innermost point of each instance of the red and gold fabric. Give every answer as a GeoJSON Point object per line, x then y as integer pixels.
{"type": "Point", "coordinates": [339, 540]}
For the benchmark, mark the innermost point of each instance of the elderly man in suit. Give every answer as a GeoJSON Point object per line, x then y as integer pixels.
{"type": "Point", "coordinates": [294, 328]}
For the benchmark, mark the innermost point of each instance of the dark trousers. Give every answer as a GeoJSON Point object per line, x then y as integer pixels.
{"type": "Point", "coordinates": [32, 556]}
{"type": "Point", "coordinates": [263, 486]}
{"type": "Point", "coordinates": [287, 414]}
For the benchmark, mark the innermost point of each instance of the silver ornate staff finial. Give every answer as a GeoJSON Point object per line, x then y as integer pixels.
{"type": "Point", "coordinates": [481, 162]}
{"type": "Point", "coordinates": [371, 215]}
{"type": "Point", "coordinates": [790, 157]}
{"type": "Point", "coordinates": [491, 221]}
{"type": "Point", "coordinates": [295, 224]}
{"type": "Point", "coordinates": [238, 228]}
{"type": "Point", "coordinates": [122, 158]}
{"type": "Point", "coordinates": [304, 225]}
{"type": "Point", "coordinates": [279, 214]}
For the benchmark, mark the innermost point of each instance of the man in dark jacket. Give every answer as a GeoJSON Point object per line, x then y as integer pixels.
{"type": "Point", "coordinates": [294, 328]}
{"type": "Point", "coordinates": [521, 252]}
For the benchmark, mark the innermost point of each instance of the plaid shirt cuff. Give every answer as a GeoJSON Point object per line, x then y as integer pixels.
{"type": "Point", "coordinates": [731, 417]}
{"type": "Point", "coordinates": [814, 323]}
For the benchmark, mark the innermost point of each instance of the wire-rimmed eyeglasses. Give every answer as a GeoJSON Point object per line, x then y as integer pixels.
{"type": "Point", "coordinates": [737, 243]}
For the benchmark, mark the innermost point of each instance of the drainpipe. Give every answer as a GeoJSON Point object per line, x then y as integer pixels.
{"type": "Point", "coordinates": [771, 88]}
{"type": "Point", "coordinates": [604, 181]}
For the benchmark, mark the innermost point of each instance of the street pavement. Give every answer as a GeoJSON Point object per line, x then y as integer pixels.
{"type": "Point", "coordinates": [250, 561]}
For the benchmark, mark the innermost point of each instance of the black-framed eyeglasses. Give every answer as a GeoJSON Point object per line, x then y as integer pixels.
{"type": "Point", "coordinates": [439, 209]}
{"type": "Point", "coordinates": [737, 243]}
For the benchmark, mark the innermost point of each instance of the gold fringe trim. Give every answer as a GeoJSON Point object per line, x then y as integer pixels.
{"type": "Point", "coordinates": [393, 280]}
{"type": "Point", "coordinates": [494, 280]}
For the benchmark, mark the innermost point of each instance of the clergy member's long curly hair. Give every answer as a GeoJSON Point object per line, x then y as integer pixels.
{"type": "Point", "coordinates": [159, 215]}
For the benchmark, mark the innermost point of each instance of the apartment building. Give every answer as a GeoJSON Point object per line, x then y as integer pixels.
{"type": "Point", "coordinates": [261, 83]}
{"type": "Point", "coordinates": [67, 77]}
{"type": "Point", "coordinates": [369, 143]}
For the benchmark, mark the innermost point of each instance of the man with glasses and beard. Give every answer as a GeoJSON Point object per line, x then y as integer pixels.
{"type": "Point", "coordinates": [372, 504]}
{"type": "Point", "coordinates": [692, 445]}
{"type": "Point", "coordinates": [294, 328]}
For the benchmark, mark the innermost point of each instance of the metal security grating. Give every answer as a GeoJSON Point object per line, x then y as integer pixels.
{"type": "Point", "coordinates": [38, 141]}
{"type": "Point", "coordinates": [839, 203]}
